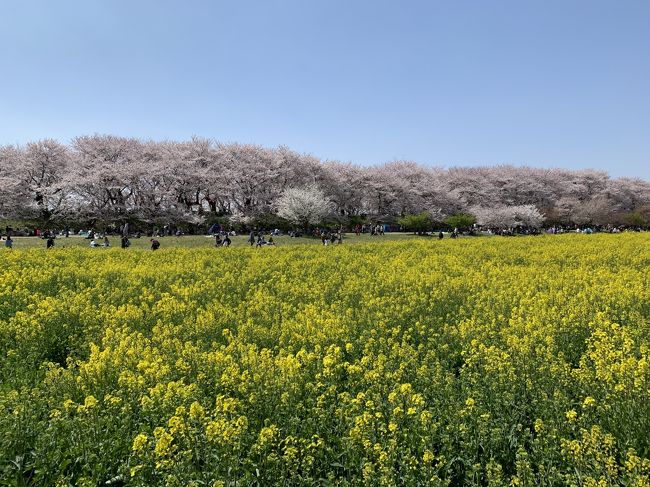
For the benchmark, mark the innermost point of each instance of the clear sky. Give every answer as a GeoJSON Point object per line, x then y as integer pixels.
{"type": "Point", "coordinates": [552, 83]}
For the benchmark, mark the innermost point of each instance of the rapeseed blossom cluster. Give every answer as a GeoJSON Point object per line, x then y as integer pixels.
{"type": "Point", "coordinates": [468, 362]}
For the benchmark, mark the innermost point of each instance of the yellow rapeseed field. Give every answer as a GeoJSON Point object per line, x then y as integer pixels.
{"type": "Point", "coordinates": [497, 361]}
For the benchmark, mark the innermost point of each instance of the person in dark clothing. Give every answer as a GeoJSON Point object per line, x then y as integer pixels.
{"type": "Point", "coordinates": [441, 236]}
{"type": "Point", "coordinates": [50, 243]}
{"type": "Point", "coordinates": [227, 241]}
{"type": "Point", "coordinates": [155, 244]}
{"type": "Point", "coordinates": [125, 242]}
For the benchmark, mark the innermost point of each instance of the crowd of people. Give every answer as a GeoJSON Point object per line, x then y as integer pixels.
{"type": "Point", "coordinates": [374, 229]}
{"type": "Point", "coordinates": [259, 240]}
{"type": "Point", "coordinates": [222, 242]}
{"type": "Point", "coordinates": [327, 236]}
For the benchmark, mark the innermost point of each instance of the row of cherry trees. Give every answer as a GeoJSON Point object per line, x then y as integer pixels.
{"type": "Point", "coordinates": [116, 179]}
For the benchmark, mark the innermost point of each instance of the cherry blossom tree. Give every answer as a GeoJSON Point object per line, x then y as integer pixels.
{"type": "Point", "coordinates": [44, 170]}
{"type": "Point", "coordinates": [103, 169]}
{"type": "Point", "coordinates": [11, 186]}
{"type": "Point", "coordinates": [252, 182]}
{"type": "Point", "coordinates": [119, 179]}
{"type": "Point", "coordinates": [505, 217]}
{"type": "Point", "coordinates": [342, 182]}
{"type": "Point", "coordinates": [304, 206]}
{"type": "Point", "coordinates": [34, 179]}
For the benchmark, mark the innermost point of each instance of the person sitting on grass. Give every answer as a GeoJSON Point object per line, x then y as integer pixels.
{"type": "Point", "coordinates": [155, 244]}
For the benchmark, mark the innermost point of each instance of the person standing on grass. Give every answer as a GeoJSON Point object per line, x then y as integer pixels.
{"type": "Point", "coordinates": [125, 241]}
{"type": "Point", "coordinates": [50, 243]}
{"type": "Point", "coordinates": [226, 241]}
{"type": "Point", "coordinates": [155, 244]}
{"type": "Point", "coordinates": [9, 243]}
{"type": "Point", "coordinates": [251, 238]}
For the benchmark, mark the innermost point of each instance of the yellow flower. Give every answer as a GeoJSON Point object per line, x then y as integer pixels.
{"type": "Point", "coordinates": [176, 424]}
{"type": "Point", "coordinates": [139, 442]}
{"type": "Point", "coordinates": [588, 402]}
{"type": "Point", "coordinates": [146, 402]}
{"type": "Point", "coordinates": [163, 444]}
{"type": "Point", "coordinates": [113, 400]}
{"type": "Point", "coordinates": [268, 434]}
{"type": "Point", "coordinates": [196, 411]}
{"type": "Point", "coordinates": [213, 430]}
{"type": "Point", "coordinates": [90, 402]}
{"type": "Point", "coordinates": [425, 417]}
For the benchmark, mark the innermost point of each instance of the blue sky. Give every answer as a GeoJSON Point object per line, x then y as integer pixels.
{"type": "Point", "coordinates": [543, 83]}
